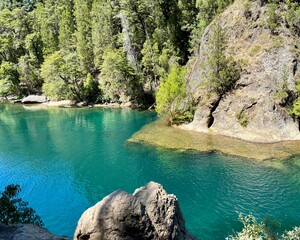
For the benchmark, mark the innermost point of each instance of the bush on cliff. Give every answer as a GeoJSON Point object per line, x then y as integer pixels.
{"type": "Point", "coordinates": [172, 99]}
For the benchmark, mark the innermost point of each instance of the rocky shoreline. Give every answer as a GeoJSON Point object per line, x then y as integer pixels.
{"type": "Point", "coordinates": [159, 135]}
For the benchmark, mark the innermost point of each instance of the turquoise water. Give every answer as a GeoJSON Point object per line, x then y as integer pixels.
{"type": "Point", "coordinates": [66, 160]}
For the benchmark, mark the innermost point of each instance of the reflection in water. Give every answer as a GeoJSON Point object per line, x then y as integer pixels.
{"type": "Point", "coordinates": [68, 159]}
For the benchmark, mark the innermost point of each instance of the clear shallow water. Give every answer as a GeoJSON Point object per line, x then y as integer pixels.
{"type": "Point", "coordinates": [66, 160]}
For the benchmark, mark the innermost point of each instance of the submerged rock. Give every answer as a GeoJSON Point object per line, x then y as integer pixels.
{"type": "Point", "coordinates": [25, 232]}
{"type": "Point", "coordinates": [149, 213]}
{"type": "Point", "coordinates": [34, 99]}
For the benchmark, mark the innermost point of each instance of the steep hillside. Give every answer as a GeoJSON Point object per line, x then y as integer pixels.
{"type": "Point", "coordinates": [257, 107]}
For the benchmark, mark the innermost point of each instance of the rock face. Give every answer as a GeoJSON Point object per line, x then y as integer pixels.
{"type": "Point", "coordinates": [253, 110]}
{"type": "Point", "coordinates": [25, 232]}
{"type": "Point", "coordinates": [149, 213]}
{"type": "Point", "coordinates": [34, 99]}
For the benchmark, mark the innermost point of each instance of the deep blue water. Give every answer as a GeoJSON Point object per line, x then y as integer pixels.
{"type": "Point", "coordinates": [66, 160]}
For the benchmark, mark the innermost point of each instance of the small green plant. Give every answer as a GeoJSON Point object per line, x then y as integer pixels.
{"type": "Point", "coordinates": [265, 230]}
{"type": "Point", "coordinates": [293, 234]}
{"type": "Point", "coordinates": [251, 229]}
{"type": "Point", "coordinates": [282, 90]}
{"type": "Point", "coordinates": [14, 210]}
{"type": "Point", "coordinates": [292, 17]}
{"type": "Point", "coordinates": [247, 11]}
{"type": "Point", "coordinates": [296, 105]}
{"type": "Point", "coordinates": [272, 17]}
{"type": "Point", "coordinates": [255, 50]}
{"type": "Point", "coordinates": [172, 98]}
{"type": "Point", "coordinates": [279, 42]}
{"type": "Point", "coordinates": [242, 117]}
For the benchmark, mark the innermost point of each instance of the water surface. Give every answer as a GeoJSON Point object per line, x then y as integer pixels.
{"type": "Point", "coordinates": [66, 160]}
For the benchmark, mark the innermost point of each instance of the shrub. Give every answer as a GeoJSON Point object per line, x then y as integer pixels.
{"type": "Point", "coordinates": [293, 234]}
{"type": "Point", "coordinates": [272, 17]}
{"type": "Point", "coordinates": [172, 99]}
{"type": "Point", "coordinates": [14, 210]}
{"type": "Point", "coordinates": [242, 118]}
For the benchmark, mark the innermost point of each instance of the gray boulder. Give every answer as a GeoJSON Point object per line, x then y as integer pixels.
{"type": "Point", "coordinates": [149, 213]}
{"type": "Point", "coordinates": [25, 232]}
{"type": "Point", "coordinates": [34, 99]}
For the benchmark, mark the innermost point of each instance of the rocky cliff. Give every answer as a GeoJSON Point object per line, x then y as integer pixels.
{"type": "Point", "coordinates": [254, 109]}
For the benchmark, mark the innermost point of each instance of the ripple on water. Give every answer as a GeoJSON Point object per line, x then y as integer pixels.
{"type": "Point", "coordinates": [68, 159]}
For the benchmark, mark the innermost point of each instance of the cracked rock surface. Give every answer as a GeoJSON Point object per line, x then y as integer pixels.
{"type": "Point", "coordinates": [148, 213]}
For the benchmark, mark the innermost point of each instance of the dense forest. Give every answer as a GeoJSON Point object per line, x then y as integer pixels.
{"type": "Point", "coordinates": [97, 50]}
{"type": "Point", "coordinates": [108, 51]}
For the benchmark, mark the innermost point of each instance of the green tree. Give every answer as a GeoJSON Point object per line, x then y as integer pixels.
{"type": "Point", "coordinates": [172, 99]}
{"type": "Point", "coordinates": [66, 24]}
{"type": "Point", "coordinates": [120, 83]}
{"type": "Point", "coordinates": [14, 210]}
{"type": "Point", "coordinates": [296, 105]}
{"type": "Point", "coordinates": [62, 77]}
{"type": "Point", "coordinates": [84, 47]}
{"type": "Point", "coordinates": [91, 90]}
{"type": "Point", "coordinates": [222, 71]}
{"type": "Point", "coordinates": [105, 28]}
{"type": "Point", "coordinates": [9, 79]}
{"type": "Point", "coordinates": [47, 18]}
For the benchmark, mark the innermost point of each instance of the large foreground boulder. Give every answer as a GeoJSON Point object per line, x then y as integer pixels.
{"type": "Point", "coordinates": [26, 232]}
{"type": "Point", "coordinates": [149, 213]}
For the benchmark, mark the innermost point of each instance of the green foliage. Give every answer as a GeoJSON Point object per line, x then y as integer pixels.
{"type": "Point", "coordinates": [66, 24]}
{"type": "Point", "coordinates": [29, 75]}
{"type": "Point", "coordinates": [105, 28]}
{"type": "Point", "coordinates": [8, 79]}
{"type": "Point", "coordinates": [282, 92]}
{"type": "Point", "coordinates": [242, 117]}
{"type": "Point", "coordinates": [293, 16]}
{"type": "Point", "coordinates": [293, 234]}
{"type": "Point", "coordinates": [83, 34]}
{"type": "Point", "coordinates": [54, 87]}
{"type": "Point", "coordinates": [247, 11]}
{"type": "Point", "coordinates": [172, 99]}
{"type": "Point", "coordinates": [207, 11]}
{"type": "Point", "coordinates": [120, 83]}
{"type": "Point", "coordinates": [296, 105]}
{"type": "Point", "coordinates": [296, 108]}
{"type": "Point", "coordinates": [47, 18]}
{"type": "Point", "coordinates": [14, 210]}
{"type": "Point", "coordinates": [252, 229]}
{"type": "Point", "coordinates": [222, 71]}
{"type": "Point", "coordinates": [91, 89]}
{"type": "Point", "coordinates": [272, 17]}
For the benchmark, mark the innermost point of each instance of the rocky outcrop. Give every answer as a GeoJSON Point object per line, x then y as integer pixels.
{"type": "Point", "coordinates": [25, 232]}
{"type": "Point", "coordinates": [149, 213]}
{"type": "Point", "coordinates": [34, 99]}
{"type": "Point", "coordinates": [253, 110]}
